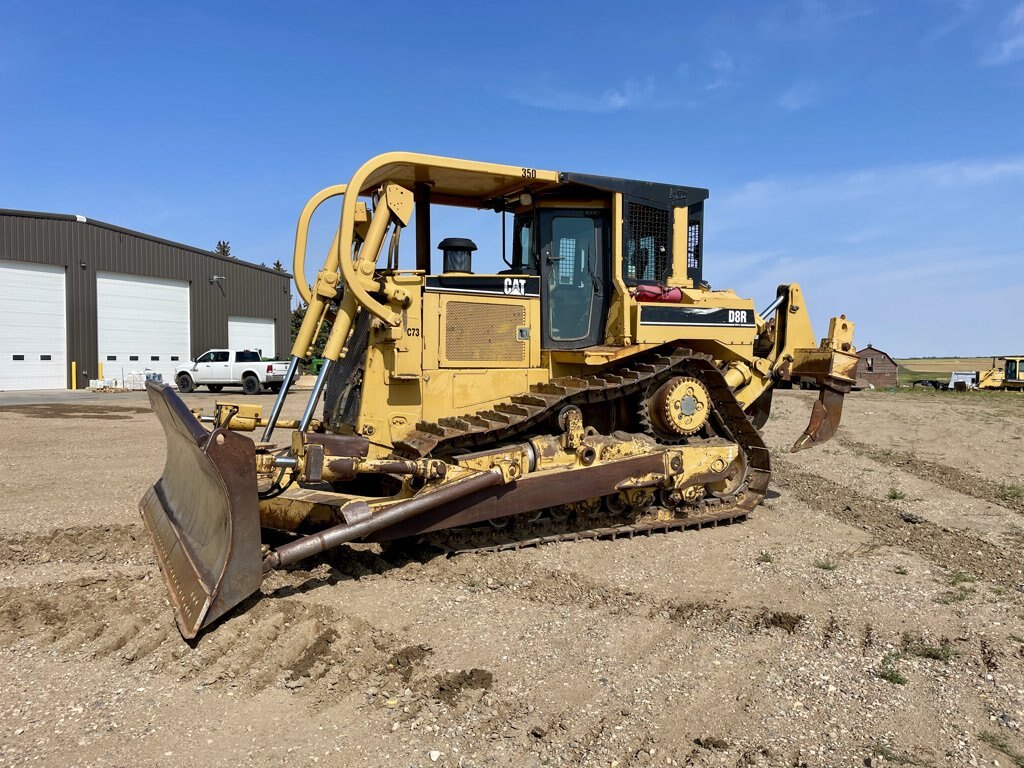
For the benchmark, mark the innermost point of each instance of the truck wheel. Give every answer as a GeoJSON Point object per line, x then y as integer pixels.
{"type": "Point", "coordinates": [250, 384]}
{"type": "Point", "coordinates": [215, 387]}
{"type": "Point", "coordinates": [185, 383]}
{"type": "Point", "coordinates": [275, 388]}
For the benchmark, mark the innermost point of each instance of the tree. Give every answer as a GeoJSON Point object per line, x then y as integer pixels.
{"type": "Point", "coordinates": [223, 249]}
{"type": "Point", "coordinates": [279, 266]}
{"type": "Point", "coordinates": [298, 314]}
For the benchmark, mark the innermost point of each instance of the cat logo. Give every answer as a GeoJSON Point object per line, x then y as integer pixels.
{"type": "Point", "coordinates": [515, 286]}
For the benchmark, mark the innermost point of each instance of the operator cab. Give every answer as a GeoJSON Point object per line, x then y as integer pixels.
{"type": "Point", "coordinates": [569, 248]}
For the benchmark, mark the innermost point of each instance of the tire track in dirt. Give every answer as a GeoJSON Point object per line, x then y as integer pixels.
{"type": "Point", "coordinates": [954, 550]}
{"type": "Point", "coordinates": [953, 478]}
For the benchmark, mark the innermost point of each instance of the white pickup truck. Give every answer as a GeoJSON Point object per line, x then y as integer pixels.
{"type": "Point", "coordinates": [221, 368]}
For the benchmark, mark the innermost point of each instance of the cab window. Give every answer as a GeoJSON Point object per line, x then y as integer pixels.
{"type": "Point", "coordinates": [523, 259]}
{"type": "Point", "coordinates": [247, 356]}
{"type": "Point", "coordinates": [571, 283]}
{"type": "Point", "coordinates": [207, 358]}
{"type": "Point", "coordinates": [221, 357]}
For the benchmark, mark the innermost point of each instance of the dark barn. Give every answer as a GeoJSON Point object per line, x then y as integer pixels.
{"type": "Point", "coordinates": [876, 369]}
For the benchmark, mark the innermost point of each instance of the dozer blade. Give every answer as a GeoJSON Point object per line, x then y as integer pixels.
{"type": "Point", "coordinates": [825, 417]}
{"type": "Point", "coordinates": [203, 515]}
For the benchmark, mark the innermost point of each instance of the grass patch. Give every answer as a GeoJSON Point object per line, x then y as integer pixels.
{"type": "Point", "coordinates": [957, 595]}
{"type": "Point", "coordinates": [961, 577]}
{"type": "Point", "coordinates": [887, 669]}
{"type": "Point", "coordinates": [1000, 742]}
{"type": "Point", "coordinates": [1010, 492]}
{"type": "Point", "coordinates": [827, 563]}
{"type": "Point", "coordinates": [895, 494]}
{"type": "Point", "coordinates": [765, 557]}
{"type": "Point", "coordinates": [942, 652]}
{"type": "Point", "coordinates": [887, 753]}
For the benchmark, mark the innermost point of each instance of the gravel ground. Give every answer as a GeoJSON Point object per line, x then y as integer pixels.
{"type": "Point", "coordinates": [868, 614]}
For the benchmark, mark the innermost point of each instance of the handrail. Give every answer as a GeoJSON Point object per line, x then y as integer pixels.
{"type": "Point", "coordinates": [302, 235]}
{"type": "Point", "coordinates": [348, 212]}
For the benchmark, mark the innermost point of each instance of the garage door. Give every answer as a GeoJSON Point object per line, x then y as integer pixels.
{"type": "Point", "coordinates": [252, 333]}
{"type": "Point", "coordinates": [141, 322]}
{"type": "Point", "coordinates": [33, 330]}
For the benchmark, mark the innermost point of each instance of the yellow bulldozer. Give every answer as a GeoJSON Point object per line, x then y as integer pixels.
{"type": "Point", "coordinates": [1009, 377]}
{"type": "Point", "coordinates": [595, 387]}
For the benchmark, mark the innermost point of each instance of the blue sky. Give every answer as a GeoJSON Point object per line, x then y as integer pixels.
{"type": "Point", "coordinates": [872, 151]}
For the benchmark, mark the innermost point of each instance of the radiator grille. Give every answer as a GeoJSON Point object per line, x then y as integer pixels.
{"type": "Point", "coordinates": [484, 332]}
{"type": "Point", "coordinates": [345, 378]}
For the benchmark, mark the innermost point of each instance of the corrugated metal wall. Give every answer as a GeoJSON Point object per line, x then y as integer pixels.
{"type": "Point", "coordinates": [85, 248]}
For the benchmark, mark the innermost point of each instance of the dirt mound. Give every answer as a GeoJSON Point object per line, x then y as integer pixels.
{"type": "Point", "coordinates": [78, 544]}
{"type": "Point", "coordinates": [781, 620]}
{"type": "Point", "coordinates": [884, 519]}
{"type": "Point", "coordinates": [450, 686]}
{"type": "Point", "coordinates": [404, 661]}
{"type": "Point", "coordinates": [999, 491]}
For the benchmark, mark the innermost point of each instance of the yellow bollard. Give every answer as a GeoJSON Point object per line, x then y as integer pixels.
{"type": "Point", "coordinates": [99, 375]}
{"type": "Point", "coordinates": [74, 375]}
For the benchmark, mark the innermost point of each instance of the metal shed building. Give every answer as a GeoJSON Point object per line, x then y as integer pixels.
{"type": "Point", "coordinates": [83, 295]}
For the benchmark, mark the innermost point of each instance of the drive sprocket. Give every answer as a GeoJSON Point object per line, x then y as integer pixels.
{"type": "Point", "coordinates": [679, 408]}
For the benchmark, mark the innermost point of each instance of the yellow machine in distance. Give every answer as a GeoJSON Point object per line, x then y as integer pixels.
{"type": "Point", "coordinates": [594, 387]}
{"type": "Point", "coordinates": [1010, 377]}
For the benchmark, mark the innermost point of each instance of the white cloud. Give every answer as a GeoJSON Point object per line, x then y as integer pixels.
{"type": "Point", "coordinates": [904, 250]}
{"type": "Point", "coordinates": [798, 96]}
{"type": "Point", "coordinates": [1010, 46]}
{"type": "Point", "coordinates": [722, 67]}
{"type": "Point", "coordinates": [876, 182]}
{"type": "Point", "coordinates": [963, 11]}
{"type": "Point", "coordinates": [629, 95]}
{"type": "Point", "coordinates": [810, 19]}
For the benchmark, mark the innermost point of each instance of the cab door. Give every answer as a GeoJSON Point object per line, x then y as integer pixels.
{"type": "Point", "coordinates": [201, 371]}
{"type": "Point", "coordinates": [574, 276]}
{"type": "Point", "coordinates": [220, 368]}
{"type": "Point", "coordinates": [1011, 372]}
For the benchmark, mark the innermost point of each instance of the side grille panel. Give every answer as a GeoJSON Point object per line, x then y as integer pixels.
{"type": "Point", "coordinates": [481, 332]}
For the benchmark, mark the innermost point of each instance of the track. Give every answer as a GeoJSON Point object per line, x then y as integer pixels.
{"type": "Point", "coordinates": [523, 414]}
{"type": "Point", "coordinates": [475, 539]}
